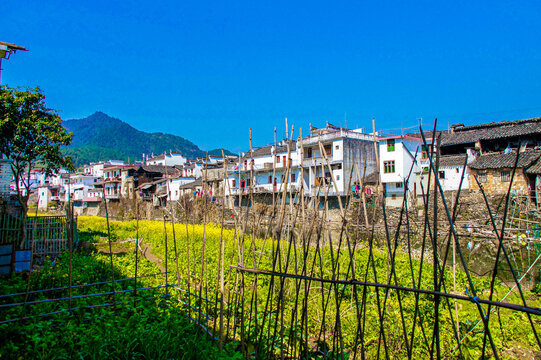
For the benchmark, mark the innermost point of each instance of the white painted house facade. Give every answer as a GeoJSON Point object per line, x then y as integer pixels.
{"type": "Point", "coordinates": [167, 159]}
{"type": "Point", "coordinates": [399, 163]}
{"type": "Point", "coordinates": [350, 154]}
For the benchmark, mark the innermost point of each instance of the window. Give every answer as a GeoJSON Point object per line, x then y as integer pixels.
{"type": "Point", "coordinates": [328, 149]}
{"type": "Point", "coordinates": [292, 178]}
{"type": "Point", "coordinates": [399, 185]}
{"type": "Point", "coordinates": [277, 159]}
{"type": "Point", "coordinates": [234, 183]}
{"type": "Point", "coordinates": [390, 145]}
{"type": "Point", "coordinates": [457, 170]}
{"type": "Point", "coordinates": [388, 167]}
{"type": "Point", "coordinates": [393, 196]}
{"type": "Point", "coordinates": [337, 147]}
{"type": "Point", "coordinates": [337, 177]}
{"type": "Point", "coordinates": [424, 154]}
{"type": "Point", "coordinates": [270, 179]}
{"type": "Point", "coordinates": [309, 152]}
{"type": "Point", "coordinates": [482, 177]}
{"type": "Point", "coordinates": [441, 175]}
{"type": "Point", "coordinates": [505, 176]}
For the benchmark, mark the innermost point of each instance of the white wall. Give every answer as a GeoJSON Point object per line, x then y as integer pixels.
{"type": "Point", "coordinates": [338, 150]}
{"type": "Point", "coordinates": [452, 176]}
{"type": "Point", "coordinates": [402, 158]}
{"type": "Point", "coordinates": [175, 184]}
{"type": "Point", "coordinates": [44, 195]}
{"type": "Point", "coordinates": [169, 160]}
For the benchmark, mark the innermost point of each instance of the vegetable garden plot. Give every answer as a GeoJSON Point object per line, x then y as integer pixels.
{"type": "Point", "coordinates": [292, 284]}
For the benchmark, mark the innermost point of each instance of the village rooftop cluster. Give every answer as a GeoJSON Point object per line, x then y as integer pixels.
{"type": "Point", "coordinates": [331, 161]}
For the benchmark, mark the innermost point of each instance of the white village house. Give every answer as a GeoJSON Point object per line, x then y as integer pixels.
{"type": "Point", "coordinates": [399, 163]}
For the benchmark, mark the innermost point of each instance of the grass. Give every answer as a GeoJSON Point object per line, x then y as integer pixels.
{"type": "Point", "coordinates": [146, 326]}
{"type": "Point", "coordinates": [195, 243]}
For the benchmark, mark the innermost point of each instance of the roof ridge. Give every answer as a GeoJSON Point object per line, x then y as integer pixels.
{"type": "Point", "coordinates": [496, 124]}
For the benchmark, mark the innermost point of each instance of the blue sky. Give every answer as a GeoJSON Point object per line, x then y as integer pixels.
{"type": "Point", "coordinates": [208, 71]}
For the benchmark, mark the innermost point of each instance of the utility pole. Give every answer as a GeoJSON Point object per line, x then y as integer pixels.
{"type": "Point", "coordinates": [6, 49]}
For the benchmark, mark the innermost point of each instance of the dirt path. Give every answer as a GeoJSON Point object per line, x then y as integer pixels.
{"type": "Point", "coordinates": [120, 248]}
{"type": "Point", "coordinates": [147, 253]}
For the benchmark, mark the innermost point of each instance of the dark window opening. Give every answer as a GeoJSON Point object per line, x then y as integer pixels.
{"type": "Point", "coordinates": [328, 149]}
{"type": "Point", "coordinates": [482, 177]}
{"type": "Point", "coordinates": [390, 145]}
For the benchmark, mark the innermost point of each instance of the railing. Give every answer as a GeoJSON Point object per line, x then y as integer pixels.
{"type": "Point", "coordinates": [45, 235]}
{"type": "Point", "coordinates": [336, 135]}
{"type": "Point", "coordinates": [264, 188]}
{"type": "Point", "coordinates": [232, 169]}
{"type": "Point", "coordinates": [112, 179]}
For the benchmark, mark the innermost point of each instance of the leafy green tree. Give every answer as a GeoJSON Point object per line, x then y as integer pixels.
{"type": "Point", "coordinates": [31, 136]}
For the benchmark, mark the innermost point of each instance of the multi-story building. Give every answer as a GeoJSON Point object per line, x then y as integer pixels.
{"type": "Point", "coordinates": [167, 159]}
{"type": "Point", "coordinates": [335, 158]}
{"type": "Point", "coordinates": [97, 169]}
{"type": "Point", "coordinates": [399, 163]}
{"type": "Point", "coordinates": [118, 181]}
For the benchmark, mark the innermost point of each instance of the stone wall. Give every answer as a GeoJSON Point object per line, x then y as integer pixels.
{"type": "Point", "coordinates": [497, 184]}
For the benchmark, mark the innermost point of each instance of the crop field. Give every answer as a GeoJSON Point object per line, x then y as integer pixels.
{"type": "Point", "coordinates": [305, 313]}
{"type": "Point", "coordinates": [96, 319]}
{"type": "Point", "coordinates": [289, 285]}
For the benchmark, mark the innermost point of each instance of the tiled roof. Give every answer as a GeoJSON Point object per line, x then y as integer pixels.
{"type": "Point", "coordinates": [192, 185]}
{"type": "Point", "coordinates": [501, 160]}
{"type": "Point", "coordinates": [452, 160]}
{"type": "Point", "coordinates": [492, 131]}
{"type": "Point", "coordinates": [267, 150]}
{"type": "Point", "coordinates": [159, 169]}
{"type": "Point", "coordinates": [535, 168]}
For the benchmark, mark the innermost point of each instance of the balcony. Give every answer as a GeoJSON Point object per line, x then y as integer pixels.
{"type": "Point", "coordinates": [265, 188]}
{"type": "Point", "coordinates": [112, 179]}
{"type": "Point", "coordinates": [312, 140]}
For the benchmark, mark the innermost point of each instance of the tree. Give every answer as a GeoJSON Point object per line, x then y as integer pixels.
{"type": "Point", "coordinates": [31, 135]}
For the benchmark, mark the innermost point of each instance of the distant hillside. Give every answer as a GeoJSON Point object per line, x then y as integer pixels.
{"type": "Point", "coordinates": [101, 137]}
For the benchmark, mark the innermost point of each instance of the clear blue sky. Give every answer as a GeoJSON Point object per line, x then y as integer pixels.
{"type": "Point", "coordinates": [208, 71]}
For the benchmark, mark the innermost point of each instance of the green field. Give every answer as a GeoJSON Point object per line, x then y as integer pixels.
{"type": "Point", "coordinates": [277, 316]}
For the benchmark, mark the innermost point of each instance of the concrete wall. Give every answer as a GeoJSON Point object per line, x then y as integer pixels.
{"type": "Point", "coordinates": [452, 176]}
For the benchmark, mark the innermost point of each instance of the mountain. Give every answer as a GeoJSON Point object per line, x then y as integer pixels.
{"type": "Point", "coordinates": [101, 137]}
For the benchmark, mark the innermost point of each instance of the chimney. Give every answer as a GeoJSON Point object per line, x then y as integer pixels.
{"type": "Point", "coordinates": [456, 126]}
